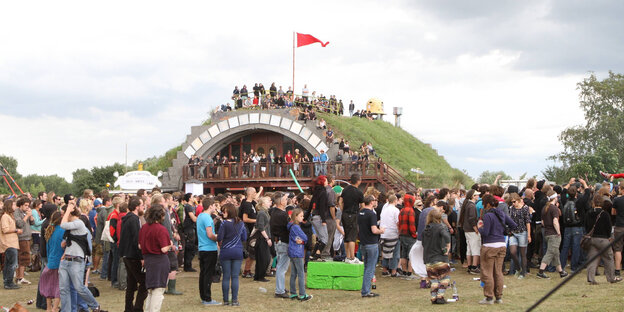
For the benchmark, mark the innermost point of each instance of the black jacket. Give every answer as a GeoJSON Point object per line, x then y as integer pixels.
{"type": "Point", "coordinates": [319, 203]}
{"type": "Point", "coordinates": [129, 242]}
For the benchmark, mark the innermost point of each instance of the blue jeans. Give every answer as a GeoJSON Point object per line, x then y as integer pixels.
{"type": "Point", "coordinates": [393, 262]}
{"type": "Point", "coordinates": [297, 273]}
{"type": "Point", "coordinates": [10, 264]}
{"type": "Point", "coordinates": [323, 168]}
{"type": "Point", "coordinates": [77, 301]}
{"type": "Point", "coordinates": [370, 253]}
{"type": "Point", "coordinates": [72, 273]}
{"type": "Point", "coordinates": [231, 269]}
{"type": "Point", "coordinates": [115, 264]}
{"type": "Point", "coordinates": [283, 262]}
{"type": "Point", "coordinates": [571, 239]}
{"type": "Point", "coordinates": [104, 271]}
{"type": "Point", "coordinates": [317, 169]}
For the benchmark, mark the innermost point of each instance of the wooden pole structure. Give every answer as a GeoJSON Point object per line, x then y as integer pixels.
{"type": "Point", "coordinates": [293, 81]}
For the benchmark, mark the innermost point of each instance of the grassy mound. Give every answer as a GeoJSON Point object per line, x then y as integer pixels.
{"type": "Point", "coordinates": [396, 146]}
{"type": "Point", "coordinates": [399, 149]}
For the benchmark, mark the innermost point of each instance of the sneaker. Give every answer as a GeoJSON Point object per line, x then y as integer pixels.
{"type": "Point", "coordinates": [235, 304]}
{"type": "Point", "coordinates": [563, 274]}
{"type": "Point", "coordinates": [604, 174]}
{"type": "Point", "coordinates": [294, 296]}
{"type": "Point", "coordinates": [264, 280]}
{"type": "Point", "coordinates": [226, 303]}
{"type": "Point", "coordinates": [305, 298]}
{"type": "Point", "coordinates": [283, 296]}
{"type": "Point", "coordinates": [349, 261]}
{"type": "Point", "coordinates": [498, 301]}
{"type": "Point", "coordinates": [486, 301]}
{"type": "Point", "coordinates": [475, 271]}
{"type": "Point", "coordinates": [23, 281]}
{"type": "Point", "coordinates": [211, 302]}
{"type": "Point", "coordinates": [99, 309]}
{"type": "Point", "coordinates": [12, 286]}
{"type": "Point", "coordinates": [370, 295]}
{"type": "Point", "coordinates": [394, 275]}
{"type": "Point", "coordinates": [408, 277]}
{"type": "Point", "coordinates": [385, 274]}
{"type": "Point", "coordinates": [440, 301]}
{"type": "Point", "coordinates": [521, 276]}
{"type": "Point", "coordinates": [357, 261]}
{"type": "Point", "coordinates": [542, 275]}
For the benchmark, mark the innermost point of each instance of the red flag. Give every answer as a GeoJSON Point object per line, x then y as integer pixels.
{"type": "Point", "coordinates": [304, 39]}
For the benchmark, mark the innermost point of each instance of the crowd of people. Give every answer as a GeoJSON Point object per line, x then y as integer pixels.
{"type": "Point", "coordinates": [260, 165]}
{"type": "Point", "coordinates": [140, 242]}
{"type": "Point", "coordinates": [278, 98]}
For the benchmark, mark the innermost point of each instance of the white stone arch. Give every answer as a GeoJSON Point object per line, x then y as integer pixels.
{"type": "Point", "coordinates": [218, 135]}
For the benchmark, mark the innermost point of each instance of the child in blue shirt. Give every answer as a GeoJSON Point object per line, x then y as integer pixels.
{"type": "Point", "coordinates": [296, 252]}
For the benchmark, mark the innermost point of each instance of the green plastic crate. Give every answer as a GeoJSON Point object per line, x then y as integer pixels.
{"type": "Point", "coordinates": [320, 282]}
{"type": "Point", "coordinates": [332, 268]}
{"type": "Point", "coordinates": [348, 283]}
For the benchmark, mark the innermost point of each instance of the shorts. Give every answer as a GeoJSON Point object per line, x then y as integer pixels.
{"type": "Point", "coordinates": [473, 244]}
{"type": "Point", "coordinates": [173, 261]}
{"type": "Point", "coordinates": [519, 239]}
{"type": "Point", "coordinates": [97, 249]}
{"type": "Point", "coordinates": [406, 245]}
{"type": "Point", "coordinates": [23, 255]}
{"type": "Point", "coordinates": [349, 223]}
{"type": "Point", "coordinates": [617, 246]}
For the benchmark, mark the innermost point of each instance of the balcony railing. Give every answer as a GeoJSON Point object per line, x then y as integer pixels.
{"type": "Point", "coordinates": [258, 171]}
{"type": "Point", "coordinates": [305, 171]}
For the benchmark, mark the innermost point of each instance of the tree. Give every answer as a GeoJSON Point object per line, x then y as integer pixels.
{"type": "Point", "coordinates": [594, 146]}
{"type": "Point", "coordinates": [488, 177]}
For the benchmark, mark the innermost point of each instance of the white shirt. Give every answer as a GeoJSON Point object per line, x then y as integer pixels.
{"type": "Point", "coordinates": [389, 219]}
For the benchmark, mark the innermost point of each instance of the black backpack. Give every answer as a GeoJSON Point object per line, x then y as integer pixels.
{"type": "Point", "coordinates": [570, 216]}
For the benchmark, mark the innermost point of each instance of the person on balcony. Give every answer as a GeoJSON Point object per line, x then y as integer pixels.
{"type": "Point", "coordinates": [324, 158]}
{"type": "Point", "coordinates": [256, 161]}
{"type": "Point", "coordinates": [297, 161]}
{"type": "Point", "coordinates": [288, 160]}
{"type": "Point", "coordinates": [317, 164]}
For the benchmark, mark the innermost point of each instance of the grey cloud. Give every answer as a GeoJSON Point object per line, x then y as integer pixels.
{"type": "Point", "coordinates": [555, 37]}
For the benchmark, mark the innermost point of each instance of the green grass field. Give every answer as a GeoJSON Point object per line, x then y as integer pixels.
{"type": "Point", "coordinates": [398, 148]}
{"type": "Point", "coordinates": [396, 295]}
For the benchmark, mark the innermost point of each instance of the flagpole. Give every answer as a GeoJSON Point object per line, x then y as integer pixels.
{"type": "Point", "coordinates": [293, 81]}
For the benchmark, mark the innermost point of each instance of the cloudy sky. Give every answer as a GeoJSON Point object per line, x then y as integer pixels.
{"type": "Point", "coordinates": [489, 84]}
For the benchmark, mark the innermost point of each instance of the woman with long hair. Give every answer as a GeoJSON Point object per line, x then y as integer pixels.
{"type": "Point", "coordinates": [598, 223]}
{"type": "Point", "coordinates": [263, 239]}
{"type": "Point", "coordinates": [155, 244]}
{"type": "Point", "coordinates": [49, 280]}
{"type": "Point", "coordinates": [232, 235]}
{"type": "Point", "coordinates": [492, 231]}
{"type": "Point", "coordinates": [36, 235]}
{"type": "Point", "coordinates": [9, 243]}
{"type": "Point", "coordinates": [552, 235]}
{"type": "Point", "coordinates": [468, 221]}
{"type": "Point", "coordinates": [520, 214]}
{"type": "Point", "coordinates": [436, 247]}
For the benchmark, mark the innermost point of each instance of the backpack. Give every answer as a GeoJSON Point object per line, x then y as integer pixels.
{"type": "Point", "coordinates": [569, 215]}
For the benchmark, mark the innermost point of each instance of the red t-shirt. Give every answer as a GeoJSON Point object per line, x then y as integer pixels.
{"type": "Point", "coordinates": [153, 237]}
{"type": "Point", "coordinates": [199, 210]}
{"type": "Point", "coordinates": [288, 158]}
